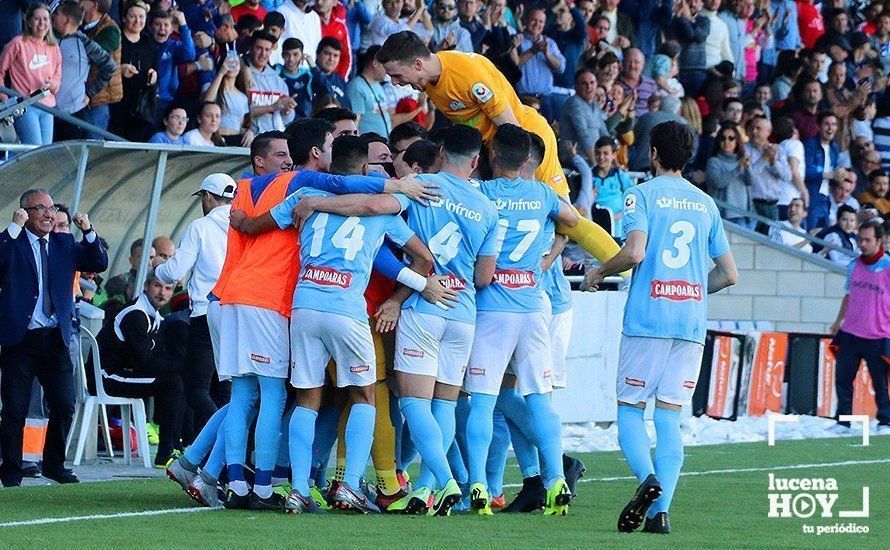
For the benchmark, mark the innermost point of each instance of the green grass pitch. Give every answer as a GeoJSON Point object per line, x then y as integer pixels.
{"type": "Point", "coordinates": [711, 510]}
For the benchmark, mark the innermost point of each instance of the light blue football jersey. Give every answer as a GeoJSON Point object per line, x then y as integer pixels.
{"type": "Point", "coordinates": [337, 254]}
{"type": "Point", "coordinates": [459, 227]}
{"type": "Point", "coordinates": [668, 292]}
{"type": "Point", "coordinates": [524, 208]}
{"type": "Point", "coordinates": [554, 282]}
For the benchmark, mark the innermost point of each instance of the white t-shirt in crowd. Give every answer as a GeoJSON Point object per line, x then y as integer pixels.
{"type": "Point", "coordinates": [791, 148]}
{"type": "Point", "coordinates": [789, 239]}
{"type": "Point", "coordinates": [826, 167]}
{"type": "Point", "coordinates": [194, 137]}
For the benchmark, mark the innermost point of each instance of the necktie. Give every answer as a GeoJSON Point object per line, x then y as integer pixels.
{"type": "Point", "coordinates": [44, 274]}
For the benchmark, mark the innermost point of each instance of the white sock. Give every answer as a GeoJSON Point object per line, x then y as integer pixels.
{"type": "Point", "coordinates": [240, 487]}
{"type": "Point", "coordinates": [262, 491]}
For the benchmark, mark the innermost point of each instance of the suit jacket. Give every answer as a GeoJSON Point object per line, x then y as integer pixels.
{"type": "Point", "coordinates": [19, 280]}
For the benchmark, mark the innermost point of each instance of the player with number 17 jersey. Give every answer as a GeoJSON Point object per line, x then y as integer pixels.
{"type": "Point", "coordinates": [668, 293]}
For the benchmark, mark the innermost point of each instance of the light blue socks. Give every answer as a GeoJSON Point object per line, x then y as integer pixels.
{"type": "Point", "coordinates": [479, 433]}
{"type": "Point", "coordinates": [427, 437]}
{"type": "Point", "coordinates": [548, 430]}
{"type": "Point", "coordinates": [359, 436]}
{"type": "Point", "coordinates": [634, 441]}
{"type": "Point", "coordinates": [668, 456]}
{"type": "Point", "coordinates": [302, 432]}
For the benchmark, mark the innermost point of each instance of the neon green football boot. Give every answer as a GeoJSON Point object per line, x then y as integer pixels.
{"type": "Point", "coordinates": [445, 498]}
{"type": "Point", "coordinates": [558, 498]}
{"type": "Point", "coordinates": [480, 502]}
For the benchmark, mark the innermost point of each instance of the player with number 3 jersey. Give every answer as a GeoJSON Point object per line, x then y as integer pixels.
{"type": "Point", "coordinates": [674, 232]}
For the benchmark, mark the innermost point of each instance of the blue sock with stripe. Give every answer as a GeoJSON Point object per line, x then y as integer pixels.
{"type": "Point", "coordinates": [216, 460]}
{"type": "Point", "coordinates": [519, 422]}
{"type": "Point", "coordinates": [268, 432]}
{"type": "Point", "coordinates": [281, 473]}
{"type": "Point", "coordinates": [359, 436]}
{"type": "Point", "coordinates": [497, 454]}
{"type": "Point", "coordinates": [548, 430]}
{"type": "Point", "coordinates": [634, 441]}
{"type": "Point", "coordinates": [668, 456]}
{"type": "Point", "coordinates": [427, 437]}
{"type": "Point", "coordinates": [302, 432]}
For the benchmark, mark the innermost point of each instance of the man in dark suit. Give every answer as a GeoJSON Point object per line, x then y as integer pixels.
{"type": "Point", "coordinates": [37, 269]}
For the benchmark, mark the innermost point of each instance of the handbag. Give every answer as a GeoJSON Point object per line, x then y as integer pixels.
{"type": "Point", "coordinates": [146, 109]}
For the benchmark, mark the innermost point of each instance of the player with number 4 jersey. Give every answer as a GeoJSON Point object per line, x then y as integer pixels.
{"type": "Point", "coordinates": [673, 231]}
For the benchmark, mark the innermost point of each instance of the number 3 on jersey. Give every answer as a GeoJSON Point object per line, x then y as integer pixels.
{"type": "Point", "coordinates": [679, 256]}
{"type": "Point", "coordinates": [347, 238]}
{"type": "Point", "coordinates": [444, 244]}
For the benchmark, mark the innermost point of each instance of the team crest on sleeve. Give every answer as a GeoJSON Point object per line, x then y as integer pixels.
{"type": "Point", "coordinates": [630, 204]}
{"type": "Point", "coordinates": [456, 105]}
{"type": "Point", "coordinates": [482, 92]}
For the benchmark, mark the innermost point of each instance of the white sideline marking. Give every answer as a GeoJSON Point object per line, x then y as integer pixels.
{"type": "Point", "coordinates": [44, 521]}
{"type": "Point", "coordinates": [735, 470]}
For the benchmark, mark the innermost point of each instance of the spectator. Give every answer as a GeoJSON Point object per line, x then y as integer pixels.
{"type": "Point", "coordinates": [880, 40]}
{"type": "Point", "coordinates": [468, 13]}
{"type": "Point", "coordinates": [863, 117]}
{"type": "Point", "coordinates": [302, 24]}
{"type": "Point", "coordinates": [763, 97]}
{"type": "Point", "coordinates": [639, 153]}
{"type": "Point", "coordinates": [728, 175]}
{"type": "Point", "coordinates": [31, 62]}
{"type": "Point", "coordinates": [175, 120]}
{"type": "Point", "coordinates": [229, 91]}
{"type": "Point", "coordinates": [248, 7]}
{"type": "Point", "coordinates": [367, 98]}
{"type": "Point", "coordinates": [448, 34]}
{"type": "Point", "coordinates": [344, 121]}
{"type": "Point", "coordinates": [332, 16]}
{"type": "Point", "coordinates": [862, 335]}
{"type": "Point", "coordinates": [138, 62]}
{"type": "Point", "coordinates": [665, 69]}
{"type": "Point", "coordinates": [101, 28]}
{"type": "Point", "coordinates": [788, 69]}
{"type": "Point", "coordinates": [841, 193]}
{"type": "Point", "coordinates": [324, 78]}
{"type": "Point", "coordinates": [135, 363]}
{"type": "Point", "coordinates": [634, 81]}
{"type": "Point", "coordinates": [621, 27]}
{"type": "Point", "coordinates": [416, 11]}
{"type": "Point", "coordinates": [11, 15]}
{"type": "Point", "coordinates": [805, 112]}
{"type": "Point", "coordinates": [868, 161]}
{"type": "Point", "coordinates": [822, 164]}
{"type": "Point", "coordinates": [273, 24]}
{"type": "Point", "coordinates": [269, 153]}
{"type": "Point", "coordinates": [810, 23]}
{"type": "Point", "coordinates": [582, 121]}
{"type": "Point", "coordinates": [207, 132]}
{"type": "Point", "coordinates": [649, 17]}
{"type": "Point", "coordinates": [791, 149]}
{"type": "Point", "coordinates": [389, 21]}
{"type": "Point", "coordinates": [122, 287]}
{"type": "Point", "coordinates": [783, 27]}
{"type": "Point", "coordinates": [569, 31]}
{"type": "Point", "coordinates": [691, 29]}
{"type": "Point", "coordinates": [297, 76]}
{"type": "Point", "coordinates": [539, 59]}
{"type": "Point", "coordinates": [842, 235]}
{"type": "Point", "coordinates": [80, 57]}
{"type": "Point", "coordinates": [608, 67]}
{"type": "Point", "coordinates": [501, 41]}
{"type": "Point", "coordinates": [202, 16]}
{"type": "Point", "coordinates": [796, 214]}
{"type": "Point", "coordinates": [421, 157]}
{"type": "Point", "coordinates": [37, 274]}
{"type": "Point", "coordinates": [717, 45]}
{"type": "Point", "coordinates": [844, 101]}
{"type": "Point", "coordinates": [170, 53]}
{"type": "Point", "coordinates": [202, 251]}
{"type": "Point", "coordinates": [878, 193]}
{"type": "Point", "coordinates": [609, 182]}
{"type": "Point", "coordinates": [769, 170]}
{"type": "Point", "coordinates": [245, 29]}
{"type": "Point", "coordinates": [271, 106]}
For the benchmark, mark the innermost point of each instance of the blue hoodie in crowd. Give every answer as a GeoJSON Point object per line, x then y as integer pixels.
{"type": "Point", "coordinates": [170, 54]}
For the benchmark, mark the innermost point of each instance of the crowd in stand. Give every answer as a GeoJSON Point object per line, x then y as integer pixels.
{"type": "Point", "coordinates": [788, 99]}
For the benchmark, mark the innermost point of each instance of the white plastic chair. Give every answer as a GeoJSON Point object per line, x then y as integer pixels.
{"type": "Point", "coordinates": [81, 405]}
{"type": "Point", "coordinates": [130, 407]}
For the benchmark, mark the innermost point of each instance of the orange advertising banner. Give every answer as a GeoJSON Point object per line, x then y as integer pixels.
{"type": "Point", "coordinates": [721, 378]}
{"type": "Point", "coordinates": [826, 396]}
{"type": "Point", "coordinates": [767, 374]}
{"type": "Point", "coordinates": [864, 393]}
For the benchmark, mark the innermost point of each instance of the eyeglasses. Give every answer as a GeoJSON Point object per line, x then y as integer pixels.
{"type": "Point", "coordinates": [41, 209]}
{"type": "Point", "coordinates": [447, 7]}
{"type": "Point", "coordinates": [727, 137]}
{"type": "Point", "coordinates": [177, 118]}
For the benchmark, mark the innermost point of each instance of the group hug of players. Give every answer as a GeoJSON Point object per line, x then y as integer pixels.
{"type": "Point", "coordinates": [482, 338]}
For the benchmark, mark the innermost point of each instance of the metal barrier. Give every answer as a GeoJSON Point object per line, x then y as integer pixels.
{"type": "Point", "coordinates": [61, 115]}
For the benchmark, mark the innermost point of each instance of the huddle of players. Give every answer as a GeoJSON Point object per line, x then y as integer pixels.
{"type": "Point", "coordinates": [482, 312]}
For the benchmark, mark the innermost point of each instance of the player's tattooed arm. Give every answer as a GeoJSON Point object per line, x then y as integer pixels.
{"type": "Point", "coordinates": [630, 255]}
{"type": "Point", "coordinates": [256, 225]}
{"type": "Point", "coordinates": [418, 191]}
{"type": "Point", "coordinates": [723, 274]}
{"type": "Point", "coordinates": [484, 270]}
